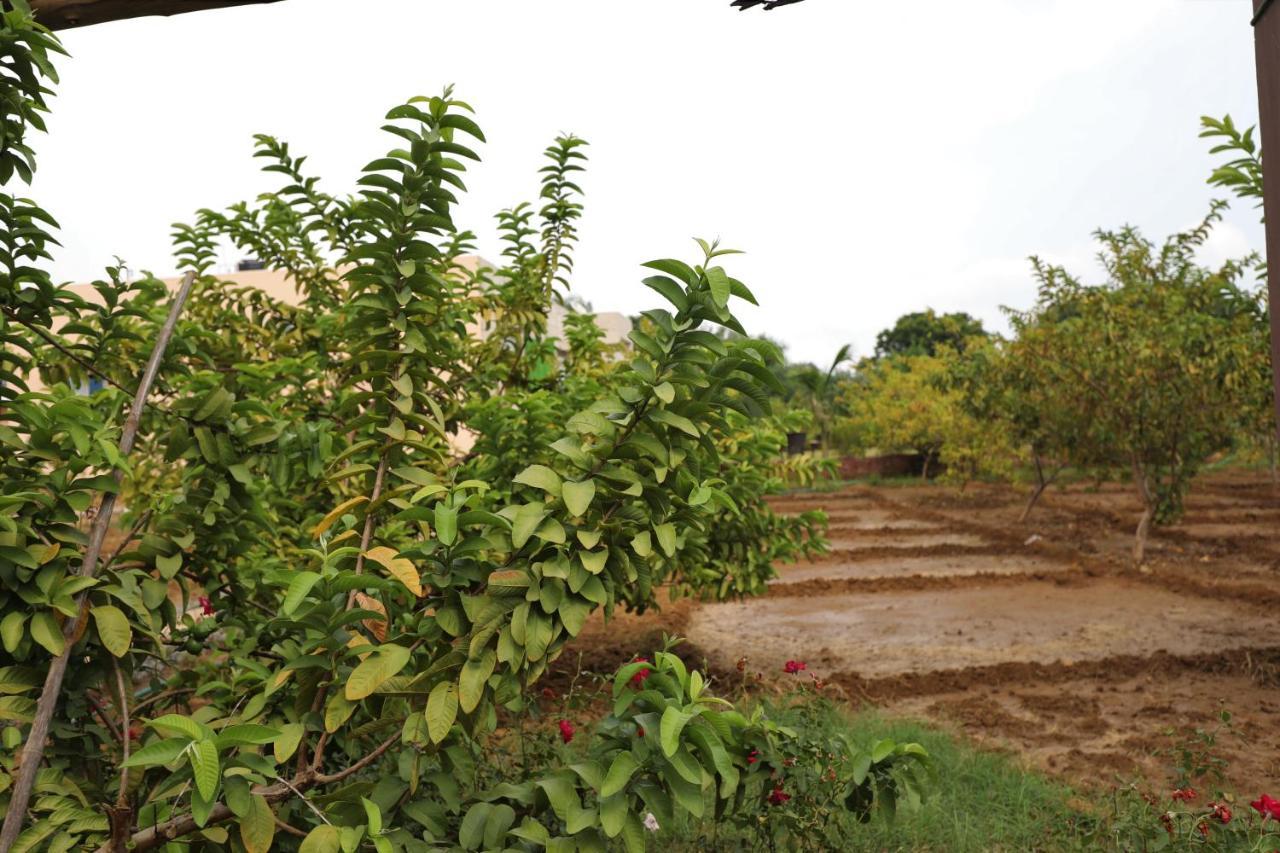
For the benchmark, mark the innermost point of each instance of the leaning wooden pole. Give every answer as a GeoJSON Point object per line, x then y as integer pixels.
{"type": "Point", "coordinates": [1266, 42]}
{"type": "Point", "coordinates": [65, 14]}
{"type": "Point", "coordinates": [33, 749]}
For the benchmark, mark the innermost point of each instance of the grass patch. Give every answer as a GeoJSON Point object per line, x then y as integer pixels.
{"type": "Point", "coordinates": [975, 800]}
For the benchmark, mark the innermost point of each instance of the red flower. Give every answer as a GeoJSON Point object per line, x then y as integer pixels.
{"type": "Point", "coordinates": [777, 796]}
{"type": "Point", "coordinates": [639, 677]}
{"type": "Point", "coordinates": [206, 606]}
{"type": "Point", "coordinates": [639, 731]}
{"type": "Point", "coordinates": [1204, 828]}
{"type": "Point", "coordinates": [1221, 812]}
{"type": "Point", "coordinates": [566, 731]}
{"type": "Point", "coordinates": [1267, 806]}
{"type": "Point", "coordinates": [1167, 820]}
{"type": "Point", "coordinates": [548, 693]}
{"type": "Point", "coordinates": [791, 667]}
{"type": "Point", "coordinates": [135, 732]}
{"type": "Point", "coordinates": [753, 756]}
{"type": "Point", "coordinates": [1185, 794]}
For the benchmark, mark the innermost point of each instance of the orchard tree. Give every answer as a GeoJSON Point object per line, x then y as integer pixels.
{"type": "Point", "coordinates": [1156, 362]}
{"type": "Point", "coordinates": [317, 617]}
{"type": "Point", "coordinates": [926, 332]}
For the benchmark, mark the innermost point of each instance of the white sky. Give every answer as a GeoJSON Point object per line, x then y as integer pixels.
{"type": "Point", "coordinates": [872, 158]}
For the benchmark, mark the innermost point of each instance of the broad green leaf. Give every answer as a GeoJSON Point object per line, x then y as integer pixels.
{"type": "Point", "coordinates": [337, 711]}
{"type": "Point", "coordinates": [46, 632]}
{"type": "Point", "coordinates": [593, 561]}
{"type": "Point", "coordinates": [385, 662]}
{"type": "Point", "coordinates": [666, 534]}
{"type": "Point", "coordinates": [673, 722]}
{"type": "Point", "coordinates": [442, 710]}
{"type": "Point", "coordinates": [471, 832]}
{"type": "Point", "coordinates": [680, 422]}
{"type": "Point", "coordinates": [257, 828]}
{"type": "Point", "coordinates": [322, 839]}
{"type": "Point", "coordinates": [620, 771]}
{"type": "Point", "coordinates": [528, 517]}
{"type": "Point", "coordinates": [287, 744]}
{"type": "Point", "coordinates": [113, 629]}
{"type": "Point", "coordinates": [11, 630]}
{"type": "Point", "coordinates": [501, 816]}
{"type": "Point", "coordinates": [446, 518]}
{"type": "Point", "coordinates": [613, 813]}
{"type": "Point", "coordinates": [540, 477]}
{"type": "Point", "coordinates": [471, 681]}
{"type": "Point", "coordinates": [180, 725]}
{"type": "Point", "coordinates": [160, 752]}
{"type": "Point", "coordinates": [301, 584]}
{"type": "Point", "coordinates": [642, 543]}
{"type": "Point", "coordinates": [205, 768]}
{"type": "Point", "coordinates": [578, 496]}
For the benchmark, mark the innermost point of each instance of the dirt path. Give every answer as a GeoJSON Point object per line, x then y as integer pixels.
{"type": "Point", "coordinates": [1036, 638]}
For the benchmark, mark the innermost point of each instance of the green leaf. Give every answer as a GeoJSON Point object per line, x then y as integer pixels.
{"type": "Point", "coordinates": [205, 768]}
{"type": "Point", "coordinates": [620, 772]}
{"type": "Point", "coordinates": [287, 743]}
{"type": "Point", "coordinates": [633, 834]}
{"type": "Point", "coordinates": [666, 534]}
{"type": "Point", "coordinates": [298, 588]}
{"type": "Point", "coordinates": [670, 418]}
{"type": "Point", "coordinates": [442, 710]}
{"type": "Point", "coordinates": [501, 816]}
{"type": "Point", "coordinates": [673, 722]}
{"type": "Point", "coordinates": [446, 518]}
{"type": "Point", "coordinates": [246, 733]}
{"type": "Point", "coordinates": [169, 564]}
{"type": "Point", "coordinates": [179, 725]}
{"type": "Point", "coordinates": [594, 561]}
{"type": "Point", "coordinates": [471, 832]}
{"type": "Point", "coordinates": [11, 630]}
{"type": "Point", "coordinates": [113, 629]}
{"type": "Point", "coordinates": [540, 477]}
{"type": "Point", "coordinates": [578, 496]}
{"type": "Point", "coordinates": [385, 662]}
{"type": "Point", "coordinates": [471, 681]}
{"type": "Point", "coordinates": [337, 711]}
{"type": "Point", "coordinates": [322, 839]}
{"type": "Point", "coordinates": [528, 517]}
{"type": "Point", "coordinates": [665, 391]}
{"type": "Point", "coordinates": [45, 631]}
{"type": "Point", "coordinates": [257, 828]}
{"type": "Point", "coordinates": [613, 813]}
{"type": "Point", "coordinates": [642, 543]}
{"type": "Point", "coordinates": [160, 752]}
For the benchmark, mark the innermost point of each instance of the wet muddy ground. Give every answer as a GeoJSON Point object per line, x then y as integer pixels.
{"type": "Point", "coordinates": [1038, 638]}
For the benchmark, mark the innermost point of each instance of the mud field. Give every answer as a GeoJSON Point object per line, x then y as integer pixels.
{"type": "Point", "coordinates": [1037, 638]}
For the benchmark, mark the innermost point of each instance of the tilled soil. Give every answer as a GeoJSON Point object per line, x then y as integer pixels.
{"type": "Point", "coordinates": [1038, 638]}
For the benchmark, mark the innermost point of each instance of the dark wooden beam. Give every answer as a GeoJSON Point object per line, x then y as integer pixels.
{"type": "Point", "coordinates": [65, 14]}
{"type": "Point", "coordinates": [1266, 42]}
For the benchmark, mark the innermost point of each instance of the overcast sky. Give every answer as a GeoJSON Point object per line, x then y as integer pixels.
{"type": "Point", "coordinates": [871, 158]}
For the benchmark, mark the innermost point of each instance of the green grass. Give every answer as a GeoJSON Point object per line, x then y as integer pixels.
{"type": "Point", "coordinates": [979, 800]}
{"type": "Point", "coordinates": [976, 800]}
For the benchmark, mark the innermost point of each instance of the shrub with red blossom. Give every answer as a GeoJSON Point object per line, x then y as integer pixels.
{"type": "Point", "coordinates": [791, 667]}
{"type": "Point", "coordinates": [566, 730]}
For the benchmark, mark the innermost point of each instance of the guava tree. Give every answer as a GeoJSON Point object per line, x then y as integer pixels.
{"type": "Point", "coordinates": [1155, 362]}
{"type": "Point", "coordinates": [257, 595]}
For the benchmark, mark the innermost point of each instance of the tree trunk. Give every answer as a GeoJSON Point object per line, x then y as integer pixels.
{"type": "Point", "coordinates": [924, 469]}
{"type": "Point", "coordinates": [64, 14]}
{"type": "Point", "coordinates": [1148, 513]}
{"type": "Point", "coordinates": [1041, 485]}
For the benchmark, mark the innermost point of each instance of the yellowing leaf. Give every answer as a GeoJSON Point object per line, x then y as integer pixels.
{"type": "Point", "coordinates": [577, 496]}
{"type": "Point", "coordinates": [336, 513]}
{"type": "Point", "coordinates": [113, 629]}
{"type": "Point", "coordinates": [399, 568]}
{"type": "Point", "coordinates": [258, 827]}
{"type": "Point", "coordinates": [375, 626]}
{"type": "Point", "coordinates": [369, 675]}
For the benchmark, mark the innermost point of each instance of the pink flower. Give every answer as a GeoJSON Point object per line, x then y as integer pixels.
{"type": "Point", "coordinates": [206, 606]}
{"type": "Point", "coordinates": [777, 796]}
{"type": "Point", "coordinates": [753, 756]}
{"type": "Point", "coordinates": [791, 667]}
{"type": "Point", "coordinates": [566, 730]}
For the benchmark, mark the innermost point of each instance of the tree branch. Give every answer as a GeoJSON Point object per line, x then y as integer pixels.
{"type": "Point", "coordinates": [33, 749]}
{"type": "Point", "coordinates": [64, 14]}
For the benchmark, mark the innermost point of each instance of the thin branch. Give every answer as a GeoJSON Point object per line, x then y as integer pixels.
{"type": "Point", "coordinates": [324, 779]}
{"type": "Point", "coordinates": [33, 749]}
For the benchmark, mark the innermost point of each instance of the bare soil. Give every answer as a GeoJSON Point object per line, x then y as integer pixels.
{"type": "Point", "coordinates": [1036, 638]}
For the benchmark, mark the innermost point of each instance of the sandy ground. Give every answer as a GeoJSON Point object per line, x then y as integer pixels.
{"type": "Point", "coordinates": [1036, 638]}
